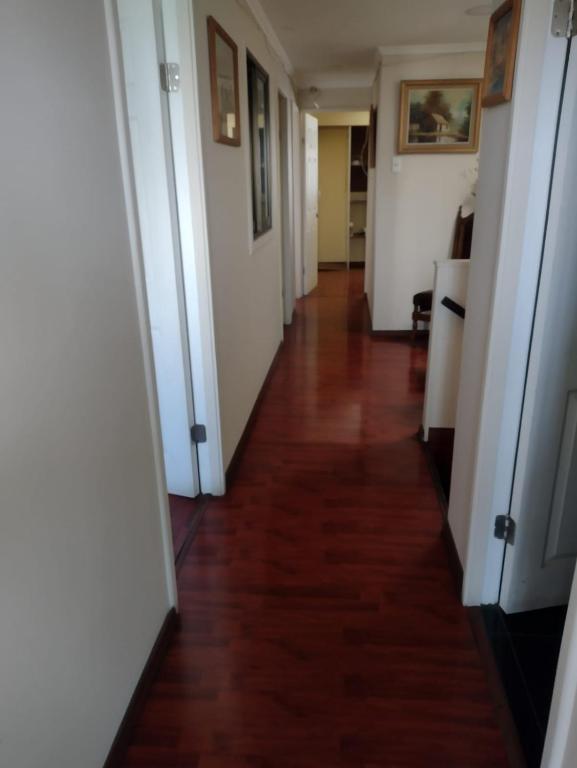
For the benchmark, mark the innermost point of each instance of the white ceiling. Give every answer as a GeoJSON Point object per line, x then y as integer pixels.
{"type": "Point", "coordinates": [328, 35]}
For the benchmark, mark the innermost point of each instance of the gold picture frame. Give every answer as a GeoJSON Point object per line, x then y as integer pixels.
{"type": "Point", "coordinates": [439, 116]}
{"type": "Point", "coordinates": [501, 53]}
{"type": "Point", "coordinates": [225, 94]}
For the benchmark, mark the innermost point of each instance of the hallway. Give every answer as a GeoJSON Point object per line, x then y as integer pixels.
{"type": "Point", "coordinates": [320, 624]}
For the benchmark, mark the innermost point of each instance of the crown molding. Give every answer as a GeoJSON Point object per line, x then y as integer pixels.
{"type": "Point", "coordinates": [436, 49]}
{"type": "Point", "coordinates": [263, 21]}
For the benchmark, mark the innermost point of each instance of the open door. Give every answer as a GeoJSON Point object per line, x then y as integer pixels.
{"type": "Point", "coordinates": [311, 203]}
{"type": "Point", "coordinates": [540, 561]}
{"type": "Point", "coordinates": [140, 27]}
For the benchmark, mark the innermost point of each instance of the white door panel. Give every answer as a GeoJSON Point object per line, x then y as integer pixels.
{"type": "Point", "coordinates": [311, 202]}
{"type": "Point", "coordinates": [161, 249]}
{"type": "Point", "coordinates": [539, 566]}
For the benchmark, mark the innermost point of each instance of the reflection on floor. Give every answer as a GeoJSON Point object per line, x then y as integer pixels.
{"type": "Point", "coordinates": [526, 649]}
{"type": "Point", "coordinates": [319, 622]}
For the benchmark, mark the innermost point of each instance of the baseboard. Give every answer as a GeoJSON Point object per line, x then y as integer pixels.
{"type": "Point", "coordinates": [454, 560]}
{"type": "Point", "coordinates": [443, 503]}
{"type": "Point", "coordinates": [235, 461]}
{"type": "Point", "coordinates": [502, 709]}
{"type": "Point", "coordinates": [331, 266]}
{"type": "Point", "coordinates": [356, 264]}
{"type": "Point", "coordinates": [402, 335]}
{"type": "Point", "coordinates": [446, 533]}
{"type": "Point", "coordinates": [117, 751]}
{"type": "Point", "coordinates": [439, 452]}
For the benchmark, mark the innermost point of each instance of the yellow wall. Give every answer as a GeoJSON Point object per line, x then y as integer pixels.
{"type": "Point", "coordinates": [333, 194]}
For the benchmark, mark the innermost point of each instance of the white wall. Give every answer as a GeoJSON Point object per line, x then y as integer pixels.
{"type": "Point", "coordinates": [246, 277]}
{"type": "Point", "coordinates": [83, 586]}
{"type": "Point", "coordinates": [496, 126]}
{"type": "Point", "coordinates": [445, 345]}
{"type": "Point", "coordinates": [515, 167]}
{"type": "Point", "coordinates": [415, 210]}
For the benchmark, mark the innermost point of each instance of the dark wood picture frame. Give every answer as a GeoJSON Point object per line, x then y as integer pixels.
{"type": "Point", "coordinates": [260, 148]}
{"type": "Point", "coordinates": [492, 98]}
{"type": "Point", "coordinates": [405, 147]}
{"type": "Point", "coordinates": [214, 31]}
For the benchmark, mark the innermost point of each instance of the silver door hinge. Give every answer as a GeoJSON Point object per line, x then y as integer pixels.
{"type": "Point", "coordinates": [505, 528]}
{"type": "Point", "coordinates": [563, 22]}
{"type": "Point", "coordinates": [198, 433]}
{"type": "Point", "coordinates": [169, 77]}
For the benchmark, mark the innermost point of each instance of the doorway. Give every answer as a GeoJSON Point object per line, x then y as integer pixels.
{"type": "Point", "coordinates": [342, 193]}
{"type": "Point", "coordinates": [144, 27]}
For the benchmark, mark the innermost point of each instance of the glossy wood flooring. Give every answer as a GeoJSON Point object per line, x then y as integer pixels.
{"type": "Point", "coordinates": [320, 624]}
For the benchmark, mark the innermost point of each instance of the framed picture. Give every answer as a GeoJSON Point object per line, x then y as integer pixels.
{"type": "Point", "coordinates": [501, 53]}
{"type": "Point", "coordinates": [223, 55]}
{"type": "Point", "coordinates": [439, 116]}
{"type": "Point", "coordinates": [373, 137]}
{"type": "Point", "coordinates": [259, 123]}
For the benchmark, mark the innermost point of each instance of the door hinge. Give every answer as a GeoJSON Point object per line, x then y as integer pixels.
{"type": "Point", "coordinates": [169, 77]}
{"type": "Point", "coordinates": [563, 22]}
{"type": "Point", "coordinates": [198, 433]}
{"type": "Point", "coordinates": [505, 528]}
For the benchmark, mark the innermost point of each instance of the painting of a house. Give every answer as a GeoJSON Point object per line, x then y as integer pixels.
{"type": "Point", "coordinates": [439, 116]}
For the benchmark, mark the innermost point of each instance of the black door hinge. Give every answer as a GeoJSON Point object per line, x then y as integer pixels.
{"type": "Point", "coordinates": [505, 528]}
{"type": "Point", "coordinates": [198, 433]}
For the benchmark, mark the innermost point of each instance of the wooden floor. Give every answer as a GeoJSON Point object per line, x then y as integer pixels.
{"type": "Point", "coordinates": [320, 624]}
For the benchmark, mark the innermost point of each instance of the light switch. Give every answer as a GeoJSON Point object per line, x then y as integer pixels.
{"type": "Point", "coordinates": [397, 167]}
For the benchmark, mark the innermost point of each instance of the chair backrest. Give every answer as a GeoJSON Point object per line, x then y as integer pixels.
{"type": "Point", "coordinates": [463, 236]}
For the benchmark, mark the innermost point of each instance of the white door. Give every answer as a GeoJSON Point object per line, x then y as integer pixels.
{"type": "Point", "coordinates": [155, 191]}
{"type": "Point", "coordinates": [285, 176]}
{"type": "Point", "coordinates": [311, 203]}
{"type": "Point", "coordinates": [539, 565]}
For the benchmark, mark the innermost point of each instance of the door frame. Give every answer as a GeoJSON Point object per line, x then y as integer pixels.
{"type": "Point", "coordinates": [191, 202]}
{"type": "Point", "coordinates": [286, 204]}
{"type": "Point", "coordinates": [184, 114]}
{"type": "Point", "coordinates": [303, 164]}
{"type": "Point", "coordinates": [532, 126]}
{"type": "Point", "coordinates": [129, 185]}
{"type": "Point", "coordinates": [525, 586]}
{"type": "Point", "coordinates": [297, 161]}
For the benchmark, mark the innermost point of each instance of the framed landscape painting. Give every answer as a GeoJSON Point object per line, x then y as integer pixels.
{"type": "Point", "coordinates": [439, 116]}
{"type": "Point", "coordinates": [501, 53]}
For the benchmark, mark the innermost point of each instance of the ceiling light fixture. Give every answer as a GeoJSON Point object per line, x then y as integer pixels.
{"type": "Point", "coordinates": [314, 92]}
{"type": "Point", "coordinates": [479, 10]}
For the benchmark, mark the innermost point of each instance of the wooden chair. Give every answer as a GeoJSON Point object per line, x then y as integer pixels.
{"type": "Point", "coordinates": [423, 301]}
